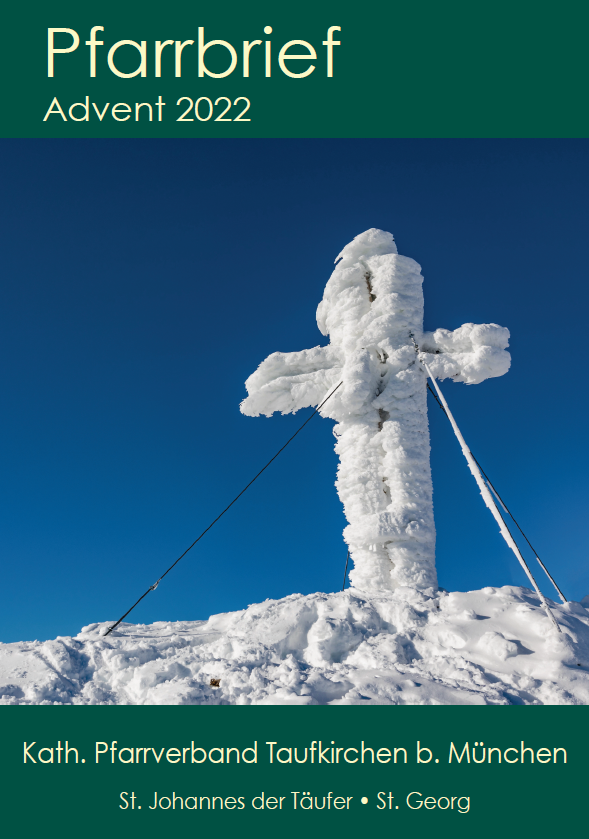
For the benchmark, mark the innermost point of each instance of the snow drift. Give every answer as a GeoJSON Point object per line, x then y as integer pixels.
{"type": "Point", "coordinates": [408, 647]}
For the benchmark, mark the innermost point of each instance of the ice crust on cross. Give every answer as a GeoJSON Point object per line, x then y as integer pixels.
{"type": "Point", "coordinates": [372, 310]}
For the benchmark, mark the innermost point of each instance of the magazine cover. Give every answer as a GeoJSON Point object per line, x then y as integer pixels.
{"type": "Point", "coordinates": [293, 428]}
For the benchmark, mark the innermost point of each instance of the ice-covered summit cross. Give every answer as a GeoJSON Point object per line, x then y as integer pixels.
{"type": "Point", "coordinates": [371, 308]}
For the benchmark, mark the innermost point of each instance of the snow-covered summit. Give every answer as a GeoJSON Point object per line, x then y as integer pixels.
{"type": "Point", "coordinates": [408, 647]}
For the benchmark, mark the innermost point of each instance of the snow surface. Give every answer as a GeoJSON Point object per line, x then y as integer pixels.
{"type": "Point", "coordinates": [372, 310]}
{"type": "Point", "coordinates": [409, 647]}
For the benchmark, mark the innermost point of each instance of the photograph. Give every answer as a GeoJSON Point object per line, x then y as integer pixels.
{"type": "Point", "coordinates": [243, 463]}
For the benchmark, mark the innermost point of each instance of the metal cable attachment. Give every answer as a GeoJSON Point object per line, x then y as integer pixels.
{"type": "Point", "coordinates": [156, 584]}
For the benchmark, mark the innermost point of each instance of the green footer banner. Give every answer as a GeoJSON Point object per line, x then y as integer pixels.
{"type": "Point", "coordinates": [155, 771]}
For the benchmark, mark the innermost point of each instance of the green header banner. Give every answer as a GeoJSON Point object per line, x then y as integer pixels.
{"type": "Point", "coordinates": [313, 69]}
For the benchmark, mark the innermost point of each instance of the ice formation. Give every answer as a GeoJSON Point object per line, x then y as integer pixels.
{"type": "Point", "coordinates": [490, 647]}
{"type": "Point", "coordinates": [372, 310]}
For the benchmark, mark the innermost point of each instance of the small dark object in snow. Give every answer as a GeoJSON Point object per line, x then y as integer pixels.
{"type": "Point", "coordinates": [215, 683]}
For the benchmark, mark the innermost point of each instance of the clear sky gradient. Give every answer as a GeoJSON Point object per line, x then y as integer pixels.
{"type": "Point", "coordinates": [143, 281]}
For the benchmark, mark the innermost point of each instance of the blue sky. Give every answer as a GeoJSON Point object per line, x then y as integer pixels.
{"type": "Point", "coordinates": [145, 280]}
